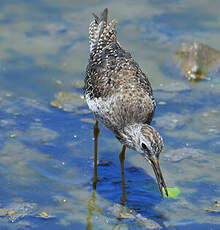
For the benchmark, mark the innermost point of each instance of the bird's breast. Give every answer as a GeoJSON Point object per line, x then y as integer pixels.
{"type": "Point", "coordinates": [120, 109]}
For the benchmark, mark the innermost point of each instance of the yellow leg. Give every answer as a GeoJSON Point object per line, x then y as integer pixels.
{"type": "Point", "coordinates": [96, 134]}
{"type": "Point", "coordinates": [122, 159]}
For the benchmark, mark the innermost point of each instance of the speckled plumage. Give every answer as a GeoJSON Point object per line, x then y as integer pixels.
{"type": "Point", "coordinates": [115, 87]}
{"type": "Point", "coordinates": [117, 91]}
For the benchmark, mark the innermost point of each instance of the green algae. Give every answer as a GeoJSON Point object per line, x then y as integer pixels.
{"type": "Point", "coordinates": [172, 193]}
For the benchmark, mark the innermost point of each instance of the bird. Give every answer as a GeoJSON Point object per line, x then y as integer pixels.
{"type": "Point", "coordinates": [121, 97]}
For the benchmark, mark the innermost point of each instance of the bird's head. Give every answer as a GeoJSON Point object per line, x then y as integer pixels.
{"type": "Point", "coordinates": [147, 141]}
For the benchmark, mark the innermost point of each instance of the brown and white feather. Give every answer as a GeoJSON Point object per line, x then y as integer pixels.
{"type": "Point", "coordinates": [116, 89]}
{"type": "Point", "coordinates": [120, 94]}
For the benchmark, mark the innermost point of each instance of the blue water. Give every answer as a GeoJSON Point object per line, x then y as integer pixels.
{"type": "Point", "coordinates": [46, 153]}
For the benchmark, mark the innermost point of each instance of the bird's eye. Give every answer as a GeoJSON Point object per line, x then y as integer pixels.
{"type": "Point", "coordinates": [143, 146]}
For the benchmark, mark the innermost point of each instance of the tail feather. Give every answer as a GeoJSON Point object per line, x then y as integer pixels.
{"type": "Point", "coordinates": [104, 16]}
{"type": "Point", "coordinates": [96, 18]}
{"type": "Point", "coordinates": [101, 33]}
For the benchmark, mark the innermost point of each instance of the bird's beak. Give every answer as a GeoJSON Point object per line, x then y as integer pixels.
{"type": "Point", "coordinates": [159, 176]}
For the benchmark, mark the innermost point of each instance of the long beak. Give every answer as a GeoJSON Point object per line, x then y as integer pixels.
{"type": "Point", "coordinates": [159, 176]}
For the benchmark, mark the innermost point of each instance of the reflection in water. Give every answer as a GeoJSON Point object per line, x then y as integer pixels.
{"type": "Point", "coordinates": [92, 207]}
{"type": "Point", "coordinates": [92, 202]}
{"type": "Point", "coordinates": [117, 225]}
{"type": "Point", "coordinates": [121, 157]}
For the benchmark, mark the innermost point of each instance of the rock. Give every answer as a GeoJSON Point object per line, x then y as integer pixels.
{"type": "Point", "coordinates": [196, 59]}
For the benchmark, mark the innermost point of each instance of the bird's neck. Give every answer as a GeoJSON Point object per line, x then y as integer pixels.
{"type": "Point", "coordinates": [128, 135]}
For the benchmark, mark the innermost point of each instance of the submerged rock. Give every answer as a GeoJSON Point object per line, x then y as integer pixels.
{"type": "Point", "coordinates": [180, 154]}
{"type": "Point", "coordinates": [3, 211]}
{"type": "Point", "coordinates": [177, 86]}
{"type": "Point", "coordinates": [170, 121]}
{"type": "Point", "coordinates": [122, 212]}
{"type": "Point", "coordinates": [67, 101]}
{"type": "Point", "coordinates": [196, 59]}
{"type": "Point", "coordinates": [38, 134]}
{"type": "Point", "coordinates": [44, 215]}
{"type": "Point", "coordinates": [215, 208]}
{"type": "Point", "coordinates": [16, 211]}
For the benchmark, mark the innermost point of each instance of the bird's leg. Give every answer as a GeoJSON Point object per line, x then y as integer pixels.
{"type": "Point", "coordinates": [122, 159]}
{"type": "Point", "coordinates": [96, 134]}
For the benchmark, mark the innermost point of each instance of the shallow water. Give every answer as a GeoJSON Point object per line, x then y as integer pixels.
{"type": "Point", "coordinates": [46, 145]}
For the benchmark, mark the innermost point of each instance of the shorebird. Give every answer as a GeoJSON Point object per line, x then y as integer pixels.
{"type": "Point", "coordinates": [120, 96]}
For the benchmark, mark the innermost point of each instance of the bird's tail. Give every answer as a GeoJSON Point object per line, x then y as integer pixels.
{"type": "Point", "coordinates": [101, 33]}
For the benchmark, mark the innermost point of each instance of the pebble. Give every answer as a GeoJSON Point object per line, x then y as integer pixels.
{"type": "Point", "coordinates": [43, 215]}
{"type": "Point", "coordinates": [12, 135]}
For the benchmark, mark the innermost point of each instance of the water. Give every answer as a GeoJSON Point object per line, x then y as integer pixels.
{"type": "Point", "coordinates": [46, 152]}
